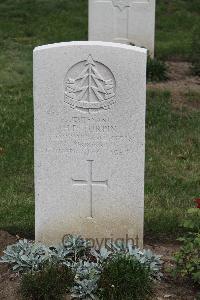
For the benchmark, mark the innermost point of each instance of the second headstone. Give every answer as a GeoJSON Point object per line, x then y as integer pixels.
{"type": "Point", "coordinates": [123, 21]}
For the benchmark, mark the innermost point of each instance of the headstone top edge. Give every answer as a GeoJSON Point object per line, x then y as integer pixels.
{"type": "Point", "coordinates": [90, 43]}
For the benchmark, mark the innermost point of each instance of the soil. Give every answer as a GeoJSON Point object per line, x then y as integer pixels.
{"type": "Point", "coordinates": [169, 288]}
{"type": "Point", "coordinates": [9, 282]}
{"type": "Point", "coordinates": [166, 289]}
{"type": "Point", "coordinates": [181, 84]}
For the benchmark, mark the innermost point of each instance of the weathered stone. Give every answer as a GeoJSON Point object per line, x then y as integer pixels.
{"type": "Point", "coordinates": [89, 100]}
{"type": "Point", "coordinates": [123, 21]}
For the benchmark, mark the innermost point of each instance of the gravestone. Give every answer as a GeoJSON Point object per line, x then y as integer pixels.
{"type": "Point", "coordinates": [123, 21]}
{"type": "Point", "coordinates": [89, 110]}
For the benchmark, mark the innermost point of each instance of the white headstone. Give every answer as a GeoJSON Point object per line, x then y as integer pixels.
{"type": "Point", "coordinates": [89, 102]}
{"type": "Point", "coordinates": [123, 21]}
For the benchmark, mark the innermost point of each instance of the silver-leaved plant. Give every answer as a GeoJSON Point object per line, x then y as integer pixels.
{"type": "Point", "coordinates": [26, 256]}
{"type": "Point", "coordinates": [86, 279]}
{"type": "Point", "coordinates": [86, 263]}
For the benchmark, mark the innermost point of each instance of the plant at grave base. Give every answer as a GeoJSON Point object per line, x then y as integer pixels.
{"type": "Point", "coordinates": [72, 249]}
{"type": "Point", "coordinates": [76, 245]}
{"type": "Point", "coordinates": [156, 70]}
{"type": "Point", "coordinates": [146, 257]}
{"type": "Point", "coordinates": [125, 278]}
{"type": "Point", "coordinates": [25, 256]}
{"type": "Point", "coordinates": [86, 278]}
{"type": "Point", "coordinates": [52, 282]}
{"type": "Point", "coordinates": [60, 255]}
{"type": "Point", "coordinates": [187, 260]}
{"type": "Point", "coordinates": [75, 254]}
{"type": "Point", "coordinates": [101, 255]}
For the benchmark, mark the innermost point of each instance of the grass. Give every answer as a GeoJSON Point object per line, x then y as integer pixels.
{"type": "Point", "coordinates": [25, 24]}
{"type": "Point", "coordinates": [175, 22]}
{"type": "Point", "coordinates": [125, 278]}
{"type": "Point", "coordinates": [172, 162]}
{"type": "Point", "coordinates": [172, 148]}
{"type": "Point", "coordinates": [52, 282]}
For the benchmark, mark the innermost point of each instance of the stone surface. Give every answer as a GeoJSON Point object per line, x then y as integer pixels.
{"type": "Point", "coordinates": [89, 107]}
{"type": "Point", "coordinates": [123, 21]}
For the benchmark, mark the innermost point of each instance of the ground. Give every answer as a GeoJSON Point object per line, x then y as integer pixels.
{"type": "Point", "coordinates": [9, 284]}
{"type": "Point", "coordinates": [166, 289]}
{"type": "Point", "coordinates": [172, 128]}
{"type": "Point", "coordinates": [181, 85]}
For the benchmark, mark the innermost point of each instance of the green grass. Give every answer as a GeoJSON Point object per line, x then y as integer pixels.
{"type": "Point", "coordinates": [25, 24]}
{"type": "Point", "coordinates": [52, 282]}
{"type": "Point", "coordinates": [171, 181]}
{"type": "Point", "coordinates": [175, 22]}
{"type": "Point", "coordinates": [172, 162]}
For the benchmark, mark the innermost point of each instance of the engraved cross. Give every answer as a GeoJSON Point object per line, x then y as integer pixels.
{"type": "Point", "coordinates": [90, 183]}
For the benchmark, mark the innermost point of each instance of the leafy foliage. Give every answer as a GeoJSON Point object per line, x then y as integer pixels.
{"type": "Point", "coordinates": [76, 245]}
{"type": "Point", "coordinates": [52, 282]}
{"type": "Point", "coordinates": [125, 278]}
{"type": "Point", "coordinates": [59, 254]}
{"type": "Point", "coordinates": [188, 258]}
{"type": "Point", "coordinates": [101, 255]}
{"type": "Point", "coordinates": [87, 276]}
{"type": "Point", "coordinates": [156, 70]}
{"type": "Point", "coordinates": [25, 256]}
{"type": "Point", "coordinates": [145, 257]}
{"type": "Point", "coordinates": [75, 254]}
{"type": "Point", "coordinates": [148, 259]}
{"type": "Point", "coordinates": [72, 249]}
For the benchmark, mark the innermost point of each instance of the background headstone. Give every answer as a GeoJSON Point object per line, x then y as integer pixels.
{"type": "Point", "coordinates": [123, 21]}
{"type": "Point", "coordinates": [89, 106]}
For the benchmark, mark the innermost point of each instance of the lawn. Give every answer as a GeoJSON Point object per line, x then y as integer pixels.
{"type": "Point", "coordinates": [172, 162]}
{"type": "Point", "coordinates": [176, 20]}
{"type": "Point", "coordinates": [172, 165]}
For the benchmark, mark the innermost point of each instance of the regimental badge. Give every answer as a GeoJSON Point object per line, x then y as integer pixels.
{"type": "Point", "coordinates": [90, 86]}
{"type": "Point", "coordinates": [122, 3]}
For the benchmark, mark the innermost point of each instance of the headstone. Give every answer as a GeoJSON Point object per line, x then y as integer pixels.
{"type": "Point", "coordinates": [89, 107]}
{"type": "Point", "coordinates": [123, 21]}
